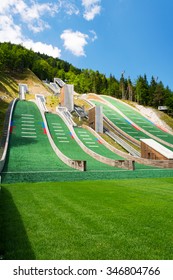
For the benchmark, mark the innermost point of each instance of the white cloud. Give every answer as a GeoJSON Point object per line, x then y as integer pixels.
{"type": "Point", "coordinates": [10, 32]}
{"type": "Point", "coordinates": [90, 14]}
{"type": "Point", "coordinates": [94, 35]}
{"type": "Point", "coordinates": [74, 41]}
{"type": "Point", "coordinates": [15, 15]}
{"type": "Point", "coordinates": [69, 7]}
{"type": "Point", "coordinates": [30, 12]}
{"type": "Point", "coordinates": [32, 15]}
{"type": "Point", "coordinates": [88, 3]}
{"type": "Point", "coordinates": [39, 26]}
{"type": "Point", "coordinates": [42, 48]}
{"type": "Point", "coordinates": [91, 8]}
{"type": "Point", "coordinates": [5, 5]}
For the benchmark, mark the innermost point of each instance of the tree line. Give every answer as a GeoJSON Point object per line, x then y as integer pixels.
{"type": "Point", "coordinates": [150, 93]}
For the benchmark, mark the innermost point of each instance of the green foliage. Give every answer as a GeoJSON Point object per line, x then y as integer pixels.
{"type": "Point", "coordinates": [113, 87]}
{"type": "Point", "coordinates": [42, 69]}
{"type": "Point", "coordinates": [152, 89]}
{"type": "Point", "coordinates": [142, 90]}
{"type": "Point", "coordinates": [153, 94]}
{"type": "Point", "coordinates": [17, 58]}
{"type": "Point", "coordinates": [159, 95]}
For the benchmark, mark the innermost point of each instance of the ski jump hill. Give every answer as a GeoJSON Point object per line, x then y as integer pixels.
{"type": "Point", "coordinates": [38, 145]}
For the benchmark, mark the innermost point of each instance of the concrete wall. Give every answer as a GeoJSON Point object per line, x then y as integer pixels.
{"type": "Point", "coordinates": [99, 119]}
{"type": "Point", "coordinates": [41, 102]}
{"type": "Point", "coordinates": [22, 94]}
{"type": "Point", "coordinates": [157, 163]}
{"type": "Point", "coordinates": [95, 116]}
{"type": "Point", "coordinates": [61, 99]}
{"type": "Point", "coordinates": [23, 89]}
{"type": "Point", "coordinates": [66, 97]}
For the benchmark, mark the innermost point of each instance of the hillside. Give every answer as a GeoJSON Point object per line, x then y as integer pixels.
{"type": "Point", "coordinates": [145, 92]}
{"type": "Point", "coordinates": [8, 91]}
{"type": "Point", "coordinates": [9, 82]}
{"type": "Point", "coordinates": [156, 116]}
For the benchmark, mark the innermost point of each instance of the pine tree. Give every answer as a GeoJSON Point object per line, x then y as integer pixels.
{"type": "Point", "coordinates": [142, 90]}
{"type": "Point", "coordinates": [159, 95]}
{"type": "Point", "coordinates": [129, 90]}
{"type": "Point", "coordinates": [122, 86]}
{"type": "Point", "coordinates": [152, 88]}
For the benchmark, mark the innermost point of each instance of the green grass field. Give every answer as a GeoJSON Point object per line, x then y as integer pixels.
{"type": "Point", "coordinates": [116, 219]}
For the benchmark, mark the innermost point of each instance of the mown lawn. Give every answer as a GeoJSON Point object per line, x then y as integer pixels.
{"type": "Point", "coordinates": [119, 219]}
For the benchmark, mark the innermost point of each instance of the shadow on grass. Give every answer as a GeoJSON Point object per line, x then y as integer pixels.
{"type": "Point", "coordinates": [14, 242]}
{"type": "Point", "coordinates": [9, 82]}
{"type": "Point", "coordinates": [20, 75]}
{"type": "Point", "coordinates": [3, 106]}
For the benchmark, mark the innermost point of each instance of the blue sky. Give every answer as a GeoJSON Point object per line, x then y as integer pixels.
{"type": "Point", "coordinates": [111, 36]}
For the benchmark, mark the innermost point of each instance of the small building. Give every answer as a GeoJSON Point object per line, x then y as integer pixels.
{"type": "Point", "coordinates": [151, 149]}
{"type": "Point", "coordinates": [59, 82]}
{"type": "Point", "coordinates": [23, 89]}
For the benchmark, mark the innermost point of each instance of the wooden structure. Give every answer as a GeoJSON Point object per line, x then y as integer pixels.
{"type": "Point", "coordinates": [151, 149]}
{"type": "Point", "coordinates": [95, 116]}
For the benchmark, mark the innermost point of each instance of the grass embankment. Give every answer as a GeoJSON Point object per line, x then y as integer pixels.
{"type": "Point", "coordinates": [8, 91]}
{"type": "Point", "coordinates": [3, 108]}
{"type": "Point", "coordinates": [120, 219]}
{"type": "Point", "coordinates": [52, 102]}
{"type": "Point", "coordinates": [9, 88]}
{"type": "Point", "coordinates": [163, 116]}
{"type": "Point", "coordinates": [167, 119]}
{"type": "Point", "coordinates": [112, 142]}
{"type": "Point", "coordinates": [35, 85]}
{"type": "Point", "coordinates": [82, 103]}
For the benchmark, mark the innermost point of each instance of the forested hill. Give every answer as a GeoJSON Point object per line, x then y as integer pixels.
{"type": "Point", "coordinates": [151, 93]}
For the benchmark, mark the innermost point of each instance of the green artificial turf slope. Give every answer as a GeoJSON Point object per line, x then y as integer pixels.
{"type": "Point", "coordinates": [118, 219]}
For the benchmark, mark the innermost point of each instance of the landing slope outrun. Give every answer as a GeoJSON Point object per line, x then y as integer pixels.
{"type": "Point", "coordinates": [94, 144]}
{"type": "Point", "coordinates": [65, 141]}
{"type": "Point", "coordinates": [31, 158]}
{"type": "Point", "coordinates": [29, 149]}
{"type": "Point", "coordinates": [120, 121]}
{"type": "Point", "coordinates": [140, 120]}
